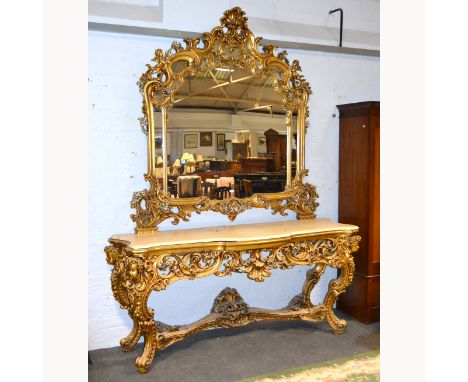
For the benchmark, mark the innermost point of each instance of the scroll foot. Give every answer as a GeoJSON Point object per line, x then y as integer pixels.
{"type": "Point", "coordinates": [128, 343]}
{"type": "Point", "coordinates": [335, 288]}
{"type": "Point", "coordinates": [312, 278]}
{"type": "Point", "coordinates": [143, 362]}
{"type": "Point", "coordinates": [337, 325]}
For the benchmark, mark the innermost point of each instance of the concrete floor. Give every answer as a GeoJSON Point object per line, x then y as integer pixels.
{"type": "Point", "coordinates": [231, 354]}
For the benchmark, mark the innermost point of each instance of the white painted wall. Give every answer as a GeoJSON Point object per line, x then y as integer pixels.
{"type": "Point", "coordinates": [117, 161]}
{"type": "Point", "coordinates": [292, 20]}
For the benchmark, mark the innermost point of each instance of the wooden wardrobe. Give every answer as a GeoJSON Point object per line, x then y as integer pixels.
{"type": "Point", "coordinates": [276, 145]}
{"type": "Point", "coordinates": [359, 204]}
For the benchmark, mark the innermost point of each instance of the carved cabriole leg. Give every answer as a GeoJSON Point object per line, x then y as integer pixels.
{"type": "Point", "coordinates": [343, 261]}
{"type": "Point", "coordinates": [144, 361]}
{"type": "Point", "coordinates": [312, 278]}
{"type": "Point", "coordinates": [132, 280]}
{"type": "Point", "coordinates": [141, 314]}
{"type": "Point", "coordinates": [128, 343]}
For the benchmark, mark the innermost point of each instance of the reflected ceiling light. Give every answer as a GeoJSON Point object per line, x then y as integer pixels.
{"type": "Point", "coordinates": [224, 70]}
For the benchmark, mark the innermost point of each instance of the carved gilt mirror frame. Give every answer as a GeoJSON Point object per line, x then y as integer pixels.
{"type": "Point", "coordinates": [229, 44]}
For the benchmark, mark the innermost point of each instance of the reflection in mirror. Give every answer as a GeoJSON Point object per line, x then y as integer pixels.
{"type": "Point", "coordinates": [294, 144]}
{"type": "Point", "coordinates": [226, 136]}
{"type": "Point", "coordinates": [158, 147]}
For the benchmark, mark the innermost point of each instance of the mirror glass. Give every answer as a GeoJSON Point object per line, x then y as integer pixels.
{"type": "Point", "coordinates": [227, 135]}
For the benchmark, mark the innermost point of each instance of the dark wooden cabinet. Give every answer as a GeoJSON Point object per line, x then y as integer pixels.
{"type": "Point", "coordinates": [261, 183]}
{"type": "Point", "coordinates": [276, 146]}
{"type": "Point", "coordinates": [252, 165]}
{"type": "Point", "coordinates": [359, 203]}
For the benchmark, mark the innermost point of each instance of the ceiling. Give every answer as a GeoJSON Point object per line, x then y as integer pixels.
{"type": "Point", "coordinates": [234, 90]}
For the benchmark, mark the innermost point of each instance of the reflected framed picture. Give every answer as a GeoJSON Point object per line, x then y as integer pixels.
{"type": "Point", "coordinates": [190, 141]}
{"type": "Point", "coordinates": [262, 141]}
{"type": "Point", "coordinates": [221, 142]}
{"type": "Point", "coordinates": [158, 143]}
{"type": "Point", "coordinates": [206, 139]}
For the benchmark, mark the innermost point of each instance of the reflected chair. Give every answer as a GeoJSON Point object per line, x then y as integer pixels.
{"type": "Point", "coordinates": [222, 192]}
{"type": "Point", "coordinates": [226, 181]}
{"type": "Point", "coordinates": [208, 189]}
{"type": "Point", "coordinates": [188, 186]}
{"type": "Point", "coordinates": [172, 187]}
{"type": "Point", "coordinates": [248, 190]}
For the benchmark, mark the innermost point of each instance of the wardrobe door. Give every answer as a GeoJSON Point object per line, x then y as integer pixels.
{"type": "Point", "coordinates": [359, 202]}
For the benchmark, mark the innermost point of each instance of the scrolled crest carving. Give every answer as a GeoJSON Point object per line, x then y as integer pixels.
{"type": "Point", "coordinates": [230, 44]}
{"type": "Point", "coordinates": [230, 304]}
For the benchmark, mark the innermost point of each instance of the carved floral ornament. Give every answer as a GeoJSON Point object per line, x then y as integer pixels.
{"type": "Point", "coordinates": [231, 44]}
{"type": "Point", "coordinates": [156, 272]}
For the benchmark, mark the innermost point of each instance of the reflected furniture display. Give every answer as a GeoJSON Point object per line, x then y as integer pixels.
{"type": "Point", "coordinates": [176, 166]}
{"type": "Point", "coordinates": [252, 165]}
{"type": "Point", "coordinates": [359, 203]}
{"type": "Point", "coordinates": [223, 165]}
{"type": "Point", "coordinates": [217, 174]}
{"type": "Point", "coordinates": [276, 145]}
{"type": "Point", "coordinates": [222, 181]}
{"type": "Point", "coordinates": [261, 183]}
{"type": "Point", "coordinates": [246, 187]}
{"type": "Point", "coordinates": [208, 189]}
{"type": "Point", "coordinates": [239, 150]}
{"type": "Point", "coordinates": [222, 192]}
{"type": "Point", "coordinates": [245, 82]}
{"type": "Point", "coordinates": [188, 186]}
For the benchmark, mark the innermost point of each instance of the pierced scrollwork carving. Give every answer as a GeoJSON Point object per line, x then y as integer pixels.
{"type": "Point", "coordinates": [153, 207]}
{"type": "Point", "coordinates": [231, 44]}
{"type": "Point", "coordinates": [232, 306]}
{"type": "Point", "coordinates": [161, 327]}
{"type": "Point", "coordinates": [297, 302]}
{"type": "Point", "coordinates": [256, 263]}
{"type": "Point", "coordinates": [134, 277]}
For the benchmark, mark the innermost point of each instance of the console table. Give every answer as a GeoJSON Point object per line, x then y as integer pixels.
{"type": "Point", "coordinates": [148, 262]}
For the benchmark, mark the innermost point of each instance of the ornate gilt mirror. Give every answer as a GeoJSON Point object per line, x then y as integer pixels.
{"type": "Point", "coordinates": [225, 120]}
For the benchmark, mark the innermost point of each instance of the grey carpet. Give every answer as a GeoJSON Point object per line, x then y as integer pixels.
{"type": "Point", "coordinates": [221, 355]}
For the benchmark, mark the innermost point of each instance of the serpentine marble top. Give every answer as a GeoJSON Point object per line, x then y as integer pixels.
{"type": "Point", "coordinates": [241, 233]}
